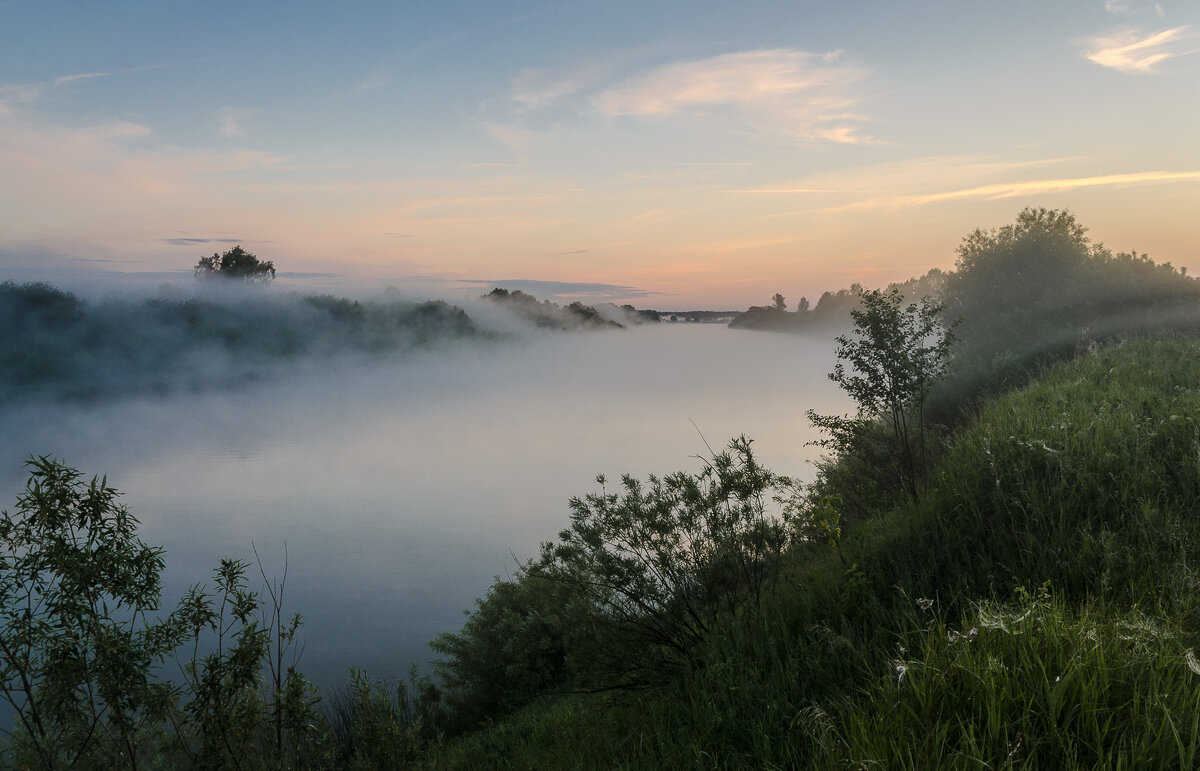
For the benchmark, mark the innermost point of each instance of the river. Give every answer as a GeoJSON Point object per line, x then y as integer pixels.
{"type": "Point", "coordinates": [400, 489]}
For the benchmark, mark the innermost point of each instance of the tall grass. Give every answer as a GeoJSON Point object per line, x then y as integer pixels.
{"type": "Point", "coordinates": [1032, 684]}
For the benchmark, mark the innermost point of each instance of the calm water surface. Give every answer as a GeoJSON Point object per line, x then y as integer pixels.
{"type": "Point", "coordinates": [401, 489]}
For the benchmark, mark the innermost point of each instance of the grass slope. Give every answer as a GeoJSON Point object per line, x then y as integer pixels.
{"type": "Point", "coordinates": [1037, 609]}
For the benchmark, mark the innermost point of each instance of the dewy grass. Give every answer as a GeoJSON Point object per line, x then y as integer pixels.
{"type": "Point", "coordinates": [1032, 684]}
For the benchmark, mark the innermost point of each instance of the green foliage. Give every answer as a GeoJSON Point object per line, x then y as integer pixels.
{"type": "Point", "coordinates": [381, 727]}
{"type": "Point", "coordinates": [235, 264]}
{"type": "Point", "coordinates": [1083, 483]}
{"type": "Point", "coordinates": [32, 306]}
{"type": "Point", "coordinates": [77, 589]}
{"type": "Point", "coordinates": [548, 315]}
{"type": "Point", "coordinates": [832, 310]}
{"type": "Point", "coordinates": [232, 713]}
{"type": "Point", "coordinates": [1094, 462]}
{"type": "Point", "coordinates": [1040, 290]}
{"type": "Point", "coordinates": [527, 636]}
{"type": "Point", "coordinates": [629, 593]}
{"type": "Point", "coordinates": [224, 682]}
{"type": "Point", "coordinates": [62, 347]}
{"type": "Point", "coordinates": [81, 644]}
{"type": "Point", "coordinates": [1034, 683]}
{"type": "Point", "coordinates": [896, 356]}
{"type": "Point", "coordinates": [655, 565]}
{"type": "Point", "coordinates": [1026, 264]}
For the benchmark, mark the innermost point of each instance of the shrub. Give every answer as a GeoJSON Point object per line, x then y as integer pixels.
{"type": "Point", "coordinates": [653, 566]}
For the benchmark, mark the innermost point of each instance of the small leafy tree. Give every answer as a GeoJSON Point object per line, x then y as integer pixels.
{"type": "Point", "coordinates": [896, 355]}
{"type": "Point", "coordinates": [77, 644]}
{"type": "Point", "coordinates": [778, 302]}
{"type": "Point", "coordinates": [80, 640]}
{"type": "Point", "coordinates": [233, 713]}
{"type": "Point", "coordinates": [235, 264]}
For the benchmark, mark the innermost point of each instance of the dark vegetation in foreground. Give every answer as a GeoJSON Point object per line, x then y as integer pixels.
{"type": "Point", "coordinates": [996, 568]}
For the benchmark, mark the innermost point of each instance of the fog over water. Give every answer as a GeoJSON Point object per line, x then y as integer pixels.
{"type": "Point", "coordinates": [401, 489]}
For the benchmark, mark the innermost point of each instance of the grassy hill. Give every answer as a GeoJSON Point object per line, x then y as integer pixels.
{"type": "Point", "coordinates": [1037, 609]}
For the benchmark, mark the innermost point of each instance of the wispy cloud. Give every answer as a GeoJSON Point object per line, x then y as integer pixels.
{"type": "Point", "coordinates": [537, 88]}
{"type": "Point", "coordinates": [513, 135]}
{"type": "Point", "coordinates": [197, 241]}
{"type": "Point", "coordinates": [100, 175]}
{"type": "Point", "coordinates": [922, 173]}
{"type": "Point", "coordinates": [788, 190]}
{"type": "Point", "coordinates": [1023, 188]}
{"type": "Point", "coordinates": [17, 94]}
{"type": "Point", "coordinates": [230, 121]}
{"type": "Point", "coordinates": [740, 78]}
{"type": "Point", "coordinates": [1132, 50]}
{"type": "Point", "coordinates": [31, 92]}
{"type": "Point", "coordinates": [63, 80]}
{"type": "Point", "coordinates": [784, 91]}
{"type": "Point", "coordinates": [118, 130]}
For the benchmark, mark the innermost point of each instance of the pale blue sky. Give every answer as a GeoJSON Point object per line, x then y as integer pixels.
{"type": "Point", "coordinates": [710, 152]}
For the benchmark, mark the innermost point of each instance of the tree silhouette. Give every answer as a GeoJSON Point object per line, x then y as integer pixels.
{"type": "Point", "coordinates": [236, 264]}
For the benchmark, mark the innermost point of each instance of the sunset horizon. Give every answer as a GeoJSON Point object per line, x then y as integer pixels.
{"type": "Point", "coordinates": [685, 157]}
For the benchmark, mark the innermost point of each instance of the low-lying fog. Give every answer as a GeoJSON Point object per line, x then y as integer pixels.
{"type": "Point", "coordinates": [400, 490]}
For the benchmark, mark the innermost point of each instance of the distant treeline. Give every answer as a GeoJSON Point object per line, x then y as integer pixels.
{"type": "Point", "coordinates": [58, 345]}
{"type": "Point", "coordinates": [1023, 295]}
{"type": "Point", "coordinates": [832, 310]}
{"type": "Point", "coordinates": [697, 317]}
{"type": "Point", "coordinates": [547, 315]}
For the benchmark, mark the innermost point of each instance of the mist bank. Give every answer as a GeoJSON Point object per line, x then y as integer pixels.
{"type": "Point", "coordinates": [402, 486]}
{"type": "Point", "coordinates": [60, 346]}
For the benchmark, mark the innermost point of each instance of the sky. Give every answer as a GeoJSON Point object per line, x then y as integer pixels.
{"type": "Point", "coordinates": [673, 155]}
